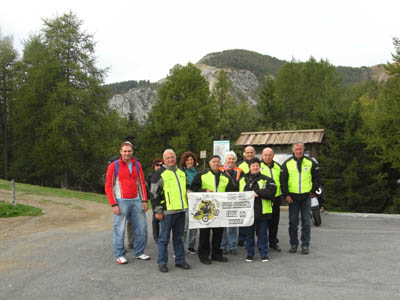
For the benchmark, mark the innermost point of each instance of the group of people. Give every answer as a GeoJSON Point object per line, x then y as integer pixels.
{"type": "Point", "coordinates": [167, 186]}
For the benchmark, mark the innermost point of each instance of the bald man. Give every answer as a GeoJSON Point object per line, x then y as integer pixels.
{"type": "Point", "coordinates": [272, 169]}
{"type": "Point", "coordinates": [249, 154]}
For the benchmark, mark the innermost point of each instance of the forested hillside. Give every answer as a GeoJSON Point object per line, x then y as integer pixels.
{"type": "Point", "coordinates": [124, 86]}
{"type": "Point", "coordinates": [262, 65]}
{"type": "Point", "coordinates": [57, 128]}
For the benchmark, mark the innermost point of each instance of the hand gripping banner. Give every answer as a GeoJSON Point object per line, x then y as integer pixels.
{"type": "Point", "coordinates": [230, 209]}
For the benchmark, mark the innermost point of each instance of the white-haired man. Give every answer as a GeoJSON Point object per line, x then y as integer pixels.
{"type": "Point", "coordinates": [299, 179]}
{"type": "Point", "coordinates": [168, 186]}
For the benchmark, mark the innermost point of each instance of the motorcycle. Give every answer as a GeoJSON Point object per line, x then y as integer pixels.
{"type": "Point", "coordinates": [316, 207]}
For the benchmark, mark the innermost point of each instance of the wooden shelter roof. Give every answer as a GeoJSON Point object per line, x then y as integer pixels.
{"type": "Point", "coordinates": [286, 137]}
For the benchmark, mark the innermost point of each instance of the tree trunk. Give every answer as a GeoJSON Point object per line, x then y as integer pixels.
{"type": "Point", "coordinates": [64, 181]}
{"type": "Point", "coordinates": [5, 128]}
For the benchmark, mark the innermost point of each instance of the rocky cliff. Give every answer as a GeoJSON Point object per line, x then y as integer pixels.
{"type": "Point", "coordinates": [136, 102]}
{"type": "Point", "coordinates": [139, 101]}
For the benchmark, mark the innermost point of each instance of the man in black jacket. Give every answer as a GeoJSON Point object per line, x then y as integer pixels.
{"type": "Point", "coordinates": [264, 191]}
{"type": "Point", "coordinates": [210, 180]}
{"type": "Point", "coordinates": [299, 180]}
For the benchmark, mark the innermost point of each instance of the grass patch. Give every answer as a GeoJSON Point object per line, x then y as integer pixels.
{"type": "Point", "coordinates": [29, 189]}
{"type": "Point", "coordinates": [7, 210]}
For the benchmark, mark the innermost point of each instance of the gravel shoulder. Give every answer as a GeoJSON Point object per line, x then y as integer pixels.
{"type": "Point", "coordinates": [58, 213]}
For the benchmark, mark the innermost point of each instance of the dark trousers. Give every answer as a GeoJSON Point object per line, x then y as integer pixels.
{"type": "Point", "coordinates": [242, 234]}
{"type": "Point", "coordinates": [204, 242]}
{"type": "Point", "coordinates": [301, 205]}
{"type": "Point", "coordinates": [156, 227]}
{"type": "Point", "coordinates": [273, 224]}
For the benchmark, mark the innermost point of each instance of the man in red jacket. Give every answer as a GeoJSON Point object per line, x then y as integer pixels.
{"type": "Point", "coordinates": [126, 191]}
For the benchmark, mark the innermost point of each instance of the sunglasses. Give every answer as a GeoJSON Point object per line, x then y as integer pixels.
{"type": "Point", "coordinates": [159, 165]}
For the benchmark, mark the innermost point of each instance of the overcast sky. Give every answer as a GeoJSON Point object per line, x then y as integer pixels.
{"type": "Point", "coordinates": [143, 40]}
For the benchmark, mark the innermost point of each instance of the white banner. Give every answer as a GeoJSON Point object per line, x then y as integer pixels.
{"type": "Point", "coordinates": [230, 209]}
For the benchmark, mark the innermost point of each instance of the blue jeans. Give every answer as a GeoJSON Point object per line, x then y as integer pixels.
{"type": "Point", "coordinates": [260, 227]}
{"type": "Point", "coordinates": [176, 224]}
{"type": "Point", "coordinates": [300, 205]}
{"type": "Point", "coordinates": [230, 235]}
{"type": "Point", "coordinates": [189, 234]}
{"type": "Point", "coordinates": [130, 209]}
{"type": "Point", "coordinates": [192, 238]}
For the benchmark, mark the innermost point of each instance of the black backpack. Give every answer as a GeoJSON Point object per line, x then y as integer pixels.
{"type": "Point", "coordinates": [109, 161]}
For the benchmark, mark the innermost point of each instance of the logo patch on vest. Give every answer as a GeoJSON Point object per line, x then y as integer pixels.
{"type": "Point", "coordinates": [306, 169]}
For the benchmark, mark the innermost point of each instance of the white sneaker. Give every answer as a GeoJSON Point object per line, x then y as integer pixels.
{"type": "Point", "coordinates": [122, 260]}
{"type": "Point", "coordinates": [143, 257]}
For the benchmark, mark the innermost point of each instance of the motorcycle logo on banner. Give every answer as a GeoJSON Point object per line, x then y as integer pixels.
{"type": "Point", "coordinates": [221, 209]}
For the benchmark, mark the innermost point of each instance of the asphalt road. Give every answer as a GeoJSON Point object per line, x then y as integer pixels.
{"type": "Point", "coordinates": [351, 257]}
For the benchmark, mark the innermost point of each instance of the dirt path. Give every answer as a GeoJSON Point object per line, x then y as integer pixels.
{"type": "Point", "coordinates": [68, 213]}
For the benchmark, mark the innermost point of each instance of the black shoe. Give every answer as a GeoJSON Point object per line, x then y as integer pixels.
{"type": "Point", "coordinates": [265, 258]}
{"type": "Point", "coordinates": [219, 258]}
{"type": "Point", "coordinates": [293, 249]}
{"type": "Point", "coordinates": [304, 250]}
{"type": "Point", "coordinates": [192, 251]}
{"type": "Point", "coordinates": [205, 260]}
{"type": "Point", "coordinates": [240, 243]}
{"type": "Point", "coordinates": [183, 265]}
{"type": "Point", "coordinates": [163, 268]}
{"type": "Point", "coordinates": [276, 248]}
{"type": "Point", "coordinates": [249, 258]}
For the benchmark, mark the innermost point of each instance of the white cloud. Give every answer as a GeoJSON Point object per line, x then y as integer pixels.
{"type": "Point", "coordinates": [142, 40]}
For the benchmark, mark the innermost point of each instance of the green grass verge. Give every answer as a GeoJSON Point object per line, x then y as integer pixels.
{"type": "Point", "coordinates": [7, 210]}
{"type": "Point", "coordinates": [28, 189]}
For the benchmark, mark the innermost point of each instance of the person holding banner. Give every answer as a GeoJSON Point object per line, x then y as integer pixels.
{"type": "Point", "coordinates": [210, 180]}
{"type": "Point", "coordinates": [230, 234]}
{"type": "Point", "coordinates": [249, 153]}
{"type": "Point", "coordinates": [272, 169]}
{"type": "Point", "coordinates": [264, 191]}
{"type": "Point", "coordinates": [168, 186]}
{"type": "Point", "coordinates": [188, 164]}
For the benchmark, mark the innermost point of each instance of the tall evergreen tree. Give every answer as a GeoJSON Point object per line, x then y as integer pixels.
{"type": "Point", "coordinates": [8, 56]}
{"type": "Point", "coordinates": [184, 118]}
{"type": "Point", "coordinates": [270, 107]}
{"type": "Point", "coordinates": [61, 109]}
{"type": "Point", "coordinates": [303, 91]}
{"type": "Point", "coordinates": [394, 68]}
{"type": "Point", "coordinates": [233, 117]}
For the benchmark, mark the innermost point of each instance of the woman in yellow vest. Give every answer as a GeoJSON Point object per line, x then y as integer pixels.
{"type": "Point", "coordinates": [264, 191]}
{"type": "Point", "coordinates": [210, 180]}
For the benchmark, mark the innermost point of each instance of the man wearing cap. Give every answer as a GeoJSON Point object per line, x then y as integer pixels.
{"type": "Point", "coordinates": [210, 180]}
{"type": "Point", "coordinates": [299, 179]}
{"type": "Point", "coordinates": [168, 186]}
{"type": "Point", "coordinates": [126, 191]}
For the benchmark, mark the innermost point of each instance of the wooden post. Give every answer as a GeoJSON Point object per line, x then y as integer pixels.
{"type": "Point", "coordinates": [14, 200]}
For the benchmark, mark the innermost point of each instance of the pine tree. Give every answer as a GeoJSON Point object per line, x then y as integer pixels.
{"type": "Point", "coordinates": [184, 118]}
{"type": "Point", "coordinates": [233, 117]}
{"type": "Point", "coordinates": [61, 111]}
{"type": "Point", "coordinates": [8, 56]}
